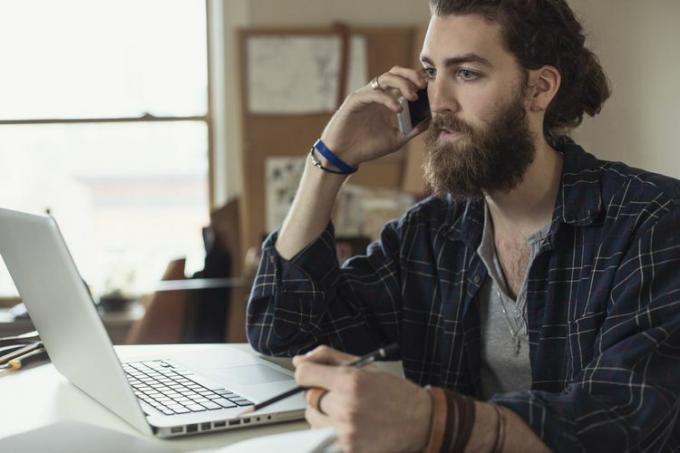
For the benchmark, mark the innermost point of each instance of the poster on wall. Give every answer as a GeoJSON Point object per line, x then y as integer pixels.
{"type": "Point", "coordinates": [282, 176]}
{"type": "Point", "coordinates": [300, 74]}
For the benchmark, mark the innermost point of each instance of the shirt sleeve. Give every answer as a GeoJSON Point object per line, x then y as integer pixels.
{"type": "Point", "coordinates": [626, 398]}
{"type": "Point", "coordinates": [310, 300]}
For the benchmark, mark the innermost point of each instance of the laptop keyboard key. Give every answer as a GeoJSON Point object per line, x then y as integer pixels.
{"type": "Point", "coordinates": [211, 406]}
{"type": "Point", "coordinates": [168, 390]}
{"type": "Point", "coordinates": [225, 403]}
{"type": "Point", "coordinates": [195, 408]}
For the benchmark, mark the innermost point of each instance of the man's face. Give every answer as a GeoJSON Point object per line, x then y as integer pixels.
{"type": "Point", "coordinates": [479, 139]}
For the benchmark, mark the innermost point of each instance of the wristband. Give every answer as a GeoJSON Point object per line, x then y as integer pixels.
{"type": "Point", "coordinates": [438, 418]}
{"type": "Point", "coordinates": [333, 159]}
{"type": "Point", "coordinates": [500, 431]}
{"type": "Point", "coordinates": [317, 163]}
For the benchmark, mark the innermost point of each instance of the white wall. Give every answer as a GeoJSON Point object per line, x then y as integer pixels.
{"type": "Point", "coordinates": [637, 42]}
{"type": "Point", "coordinates": [226, 17]}
{"type": "Point", "coordinates": [324, 12]}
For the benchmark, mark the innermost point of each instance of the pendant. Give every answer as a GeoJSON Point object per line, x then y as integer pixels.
{"type": "Point", "coordinates": [518, 344]}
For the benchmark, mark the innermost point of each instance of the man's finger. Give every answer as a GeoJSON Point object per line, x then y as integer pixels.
{"type": "Point", "coordinates": [325, 355]}
{"type": "Point", "coordinates": [415, 76]}
{"type": "Point", "coordinates": [317, 419]}
{"type": "Point", "coordinates": [332, 404]}
{"type": "Point", "coordinates": [329, 377]}
{"type": "Point", "coordinates": [314, 396]}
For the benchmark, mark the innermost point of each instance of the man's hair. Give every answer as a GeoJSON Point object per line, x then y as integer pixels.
{"type": "Point", "coordinates": [540, 33]}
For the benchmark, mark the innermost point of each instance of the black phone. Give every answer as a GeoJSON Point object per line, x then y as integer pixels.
{"type": "Point", "coordinates": [414, 112]}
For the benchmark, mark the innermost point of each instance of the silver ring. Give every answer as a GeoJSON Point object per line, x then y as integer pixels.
{"type": "Point", "coordinates": [375, 83]}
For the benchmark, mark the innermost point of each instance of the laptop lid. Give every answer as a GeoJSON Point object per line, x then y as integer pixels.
{"type": "Point", "coordinates": [63, 312]}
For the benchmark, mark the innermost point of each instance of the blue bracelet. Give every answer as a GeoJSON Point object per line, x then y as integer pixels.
{"type": "Point", "coordinates": [333, 159]}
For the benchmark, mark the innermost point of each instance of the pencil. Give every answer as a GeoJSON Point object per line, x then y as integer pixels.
{"type": "Point", "coordinates": [21, 361]}
{"type": "Point", "coordinates": [19, 352]}
{"type": "Point", "coordinates": [361, 361]}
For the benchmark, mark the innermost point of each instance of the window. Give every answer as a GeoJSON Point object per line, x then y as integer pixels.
{"type": "Point", "coordinates": [104, 122]}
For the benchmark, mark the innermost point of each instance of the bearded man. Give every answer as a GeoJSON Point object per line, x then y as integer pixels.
{"type": "Point", "coordinates": [535, 297]}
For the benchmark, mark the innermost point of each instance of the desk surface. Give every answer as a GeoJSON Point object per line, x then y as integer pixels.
{"type": "Point", "coordinates": [38, 396]}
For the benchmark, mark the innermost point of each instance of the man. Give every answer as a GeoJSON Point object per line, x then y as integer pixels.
{"type": "Point", "coordinates": [537, 292]}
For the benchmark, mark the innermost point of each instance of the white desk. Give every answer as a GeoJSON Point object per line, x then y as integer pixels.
{"type": "Point", "coordinates": [38, 396]}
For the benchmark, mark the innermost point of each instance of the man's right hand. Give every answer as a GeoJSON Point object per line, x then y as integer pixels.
{"type": "Point", "coordinates": [364, 127]}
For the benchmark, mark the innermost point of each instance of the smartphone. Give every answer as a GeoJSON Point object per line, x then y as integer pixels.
{"type": "Point", "coordinates": [413, 112]}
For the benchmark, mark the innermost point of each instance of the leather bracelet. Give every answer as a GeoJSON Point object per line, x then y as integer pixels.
{"type": "Point", "coordinates": [345, 169]}
{"type": "Point", "coordinates": [453, 421]}
{"type": "Point", "coordinates": [467, 421]}
{"type": "Point", "coordinates": [500, 430]}
{"type": "Point", "coordinates": [317, 163]}
{"type": "Point", "coordinates": [437, 420]}
{"type": "Point", "coordinates": [460, 422]}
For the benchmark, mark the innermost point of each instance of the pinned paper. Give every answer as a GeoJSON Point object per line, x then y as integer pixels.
{"type": "Point", "coordinates": [299, 74]}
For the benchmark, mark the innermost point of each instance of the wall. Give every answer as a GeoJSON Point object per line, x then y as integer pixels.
{"type": "Point", "coordinates": [638, 46]}
{"type": "Point", "coordinates": [636, 42]}
{"type": "Point", "coordinates": [227, 16]}
{"type": "Point", "coordinates": [241, 13]}
{"type": "Point", "coordinates": [324, 12]}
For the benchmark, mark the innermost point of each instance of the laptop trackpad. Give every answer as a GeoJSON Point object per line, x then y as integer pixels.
{"type": "Point", "coordinates": [251, 375]}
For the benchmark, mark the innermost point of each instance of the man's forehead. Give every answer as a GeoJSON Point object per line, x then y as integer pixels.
{"type": "Point", "coordinates": [455, 35]}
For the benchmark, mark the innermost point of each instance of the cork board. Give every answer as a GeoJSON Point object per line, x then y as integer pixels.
{"type": "Point", "coordinates": [270, 135]}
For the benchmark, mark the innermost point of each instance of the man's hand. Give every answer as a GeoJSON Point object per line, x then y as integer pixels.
{"type": "Point", "coordinates": [364, 128]}
{"type": "Point", "coordinates": [371, 410]}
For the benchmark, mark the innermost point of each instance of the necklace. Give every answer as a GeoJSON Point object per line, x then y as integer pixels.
{"type": "Point", "coordinates": [516, 330]}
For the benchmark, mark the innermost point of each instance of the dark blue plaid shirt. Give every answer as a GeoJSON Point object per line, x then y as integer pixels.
{"type": "Point", "coordinates": [603, 305]}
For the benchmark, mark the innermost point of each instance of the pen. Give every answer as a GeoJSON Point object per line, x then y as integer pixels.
{"type": "Point", "coordinates": [19, 352]}
{"type": "Point", "coordinates": [15, 364]}
{"type": "Point", "coordinates": [361, 361]}
{"type": "Point", "coordinates": [28, 337]}
{"type": "Point", "coordinates": [11, 348]}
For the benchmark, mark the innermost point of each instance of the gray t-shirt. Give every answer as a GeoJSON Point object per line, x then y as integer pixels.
{"type": "Point", "coordinates": [505, 362]}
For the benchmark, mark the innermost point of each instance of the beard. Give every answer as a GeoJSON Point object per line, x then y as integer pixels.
{"type": "Point", "coordinates": [481, 161]}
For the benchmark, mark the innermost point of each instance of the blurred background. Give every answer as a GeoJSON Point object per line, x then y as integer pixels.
{"type": "Point", "coordinates": [129, 122]}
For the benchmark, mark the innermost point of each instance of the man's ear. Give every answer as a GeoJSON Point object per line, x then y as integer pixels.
{"type": "Point", "coordinates": [544, 83]}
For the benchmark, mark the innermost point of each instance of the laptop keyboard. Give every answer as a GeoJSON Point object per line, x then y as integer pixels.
{"type": "Point", "coordinates": [172, 390]}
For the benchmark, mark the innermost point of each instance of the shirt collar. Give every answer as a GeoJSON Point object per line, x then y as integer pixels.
{"type": "Point", "coordinates": [578, 203]}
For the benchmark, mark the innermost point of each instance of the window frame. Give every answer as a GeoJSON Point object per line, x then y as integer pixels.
{"type": "Point", "coordinates": [207, 119]}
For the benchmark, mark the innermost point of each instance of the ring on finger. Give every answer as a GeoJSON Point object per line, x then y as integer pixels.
{"type": "Point", "coordinates": [375, 83]}
{"type": "Point", "coordinates": [314, 397]}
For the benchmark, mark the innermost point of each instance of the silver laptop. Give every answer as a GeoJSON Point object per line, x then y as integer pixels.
{"type": "Point", "coordinates": [165, 396]}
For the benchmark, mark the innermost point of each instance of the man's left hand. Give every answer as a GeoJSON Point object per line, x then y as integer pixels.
{"type": "Point", "coordinates": [369, 409]}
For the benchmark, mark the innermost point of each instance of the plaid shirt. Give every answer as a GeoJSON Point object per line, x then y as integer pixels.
{"type": "Point", "coordinates": [603, 305]}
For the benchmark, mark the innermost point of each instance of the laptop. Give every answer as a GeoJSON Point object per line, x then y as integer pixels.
{"type": "Point", "coordinates": [165, 395]}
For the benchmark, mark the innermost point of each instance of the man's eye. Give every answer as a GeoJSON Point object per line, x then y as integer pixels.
{"type": "Point", "coordinates": [467, 74]}
{"type": "Point", "coordinates": [429, 73]}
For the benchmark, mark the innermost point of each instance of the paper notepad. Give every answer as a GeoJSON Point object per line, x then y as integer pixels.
{"type": "Point", "coordinates": [306, 441]}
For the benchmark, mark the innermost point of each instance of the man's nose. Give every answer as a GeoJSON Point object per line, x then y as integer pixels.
{"type": "Point", "coordinates": [442, 97]}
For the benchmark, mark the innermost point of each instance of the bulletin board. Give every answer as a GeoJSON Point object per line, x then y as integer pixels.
{"type": "Point", "coordinates": [269, 130]}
